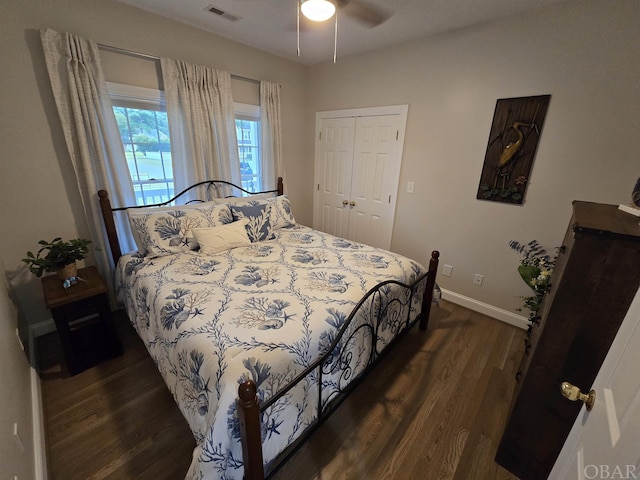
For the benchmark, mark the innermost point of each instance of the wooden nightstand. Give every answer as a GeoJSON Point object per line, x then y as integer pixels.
{"type": "Point", "coordinates": [83, 319]}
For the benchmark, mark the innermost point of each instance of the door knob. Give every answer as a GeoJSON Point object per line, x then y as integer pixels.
{"type": "Point", "coordinates": [352, 203]}
{"type": "Point", "coordinates": [573, 393]}
{"type": "Point", "coordinates": [345, 202]}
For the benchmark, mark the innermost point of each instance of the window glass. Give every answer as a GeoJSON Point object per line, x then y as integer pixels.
{"type": "Point", "coordinates": [248, 134]}
{"type": "Point", "coordinates": [144, 131]}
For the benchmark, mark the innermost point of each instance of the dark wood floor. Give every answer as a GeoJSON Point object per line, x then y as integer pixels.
{"type": "Point", "coordinates": [434, 409]}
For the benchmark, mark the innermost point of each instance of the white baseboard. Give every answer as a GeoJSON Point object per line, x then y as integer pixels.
{"type": "Point", "coordinates": [39, 441]}
{"type": "Point", "coordinates": [37, 411]}
{"type": "Point", "coordinates": [486, 309]}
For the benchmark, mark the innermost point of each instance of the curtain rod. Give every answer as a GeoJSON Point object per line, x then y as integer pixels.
{"type": "Point", "coordinates": [146, 56]}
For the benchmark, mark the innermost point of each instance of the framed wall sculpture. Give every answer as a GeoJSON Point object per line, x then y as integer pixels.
{"type": "Point", "coordinates": [513, 140]}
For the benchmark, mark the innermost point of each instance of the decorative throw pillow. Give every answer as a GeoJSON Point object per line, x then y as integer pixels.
{"type": "Point", "coordinates": [258, 219]}
{"type": "Point", "coordinates": [169, 230]}
{"type": "Point", "coordinates": [218, 239]}
{"type": "Point", "coordinates": [281, 215]}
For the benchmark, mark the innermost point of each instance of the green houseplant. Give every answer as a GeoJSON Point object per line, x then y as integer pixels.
{"type": "Point", "coordinates": [53, 256]}
{"type": "Point", "coordinates": [535, 269]}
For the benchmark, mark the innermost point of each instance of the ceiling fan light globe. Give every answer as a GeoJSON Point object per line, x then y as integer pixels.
{"type": "Point", "coordinates": [318, 10]}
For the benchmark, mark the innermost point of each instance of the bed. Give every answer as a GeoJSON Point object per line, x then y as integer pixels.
{"type": "Point", "coordinates": [259, 326]}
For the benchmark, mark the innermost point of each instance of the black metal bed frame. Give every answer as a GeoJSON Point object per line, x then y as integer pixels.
{"type": "Point", "coordinates": [381, 315]}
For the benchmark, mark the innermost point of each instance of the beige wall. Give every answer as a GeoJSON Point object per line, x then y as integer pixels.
{"type": "Point", "coordinates": [38, 194]}
{"type": "Point", "coordinates": [585, 54]}
{"type": "Point", "coordinates": [15, 394]}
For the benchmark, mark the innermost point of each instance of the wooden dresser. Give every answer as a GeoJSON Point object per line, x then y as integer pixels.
{"type": "Point", "coordinates": [595, 279]}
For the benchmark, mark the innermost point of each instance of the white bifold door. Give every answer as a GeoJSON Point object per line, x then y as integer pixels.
{"type": "Point", "coordinates": [357, 167]}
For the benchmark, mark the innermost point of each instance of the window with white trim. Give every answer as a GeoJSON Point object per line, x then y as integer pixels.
{"type": "Point", "coordinates": [142, 121]}
{"type": "Point", "coordinates": [248, 135]}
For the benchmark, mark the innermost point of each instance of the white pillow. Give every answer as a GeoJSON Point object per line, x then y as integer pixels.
{"type": "Point", "coordinates": [218, 239]}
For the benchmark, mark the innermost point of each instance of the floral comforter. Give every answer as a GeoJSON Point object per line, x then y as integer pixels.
{"type": "Point", "coordinates": [265, 311]}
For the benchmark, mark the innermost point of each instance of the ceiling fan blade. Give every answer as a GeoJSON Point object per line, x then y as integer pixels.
{"type": "Point", "coordinates": [370, 15]}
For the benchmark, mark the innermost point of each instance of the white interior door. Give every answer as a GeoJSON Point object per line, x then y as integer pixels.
{"type": "Point", "coordinates": [334, 165]}
{"type": "Point", "coordinates": [605, 443]}
{"type": "Point", "coordinates": [357, 184]}
{"type": "Point", "coordinates": [375, 180]}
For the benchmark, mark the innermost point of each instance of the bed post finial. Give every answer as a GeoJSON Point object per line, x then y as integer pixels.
{"type": "Point", "coordinates": [280, 186]}
{"type": "Point", "coordinates": [427, 298]}
{"type": "Point", "coordinates": [109, 225]}
{"type": "Point", "coordinates": [251, 437]}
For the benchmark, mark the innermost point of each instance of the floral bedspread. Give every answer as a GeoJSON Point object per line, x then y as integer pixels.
{"type": "Point", "coordinates": [265, 311]}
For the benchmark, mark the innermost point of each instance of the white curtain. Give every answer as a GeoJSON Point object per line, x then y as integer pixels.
{"type": "Point", "coordinates": [271, 134]}
{"type": "Point", "coordinates": [91, 134]}
{"type": "Point", "coordinates": [202, 124]}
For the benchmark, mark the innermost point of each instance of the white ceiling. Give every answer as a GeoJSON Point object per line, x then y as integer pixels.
{"type": "Point", "coordinates": [270, 25]}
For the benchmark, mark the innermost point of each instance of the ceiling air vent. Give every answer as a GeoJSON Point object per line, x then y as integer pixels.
{"type": "Point", "coordinates": [223, 14]}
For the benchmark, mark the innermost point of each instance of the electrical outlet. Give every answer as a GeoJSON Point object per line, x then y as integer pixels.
{"type": "Point", "coordinates": [477, 279]}
{"type": "Point", "coordinates": [446, 270]}
{"type": "Point", "coordinates": [411, 186]}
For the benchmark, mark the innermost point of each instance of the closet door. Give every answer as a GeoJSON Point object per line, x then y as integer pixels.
{"type": "Point", "coordinates": [357, 168]}
{"type": "Point", "coordinates": [334, 165]}
{"type": "Point", "coordinates": [374, 180]}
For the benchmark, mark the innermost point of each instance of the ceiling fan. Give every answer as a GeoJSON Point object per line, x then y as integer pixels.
{"type": "Point", "coordinates": [321, 10]}
{"type": "Point", "coordinates": [359, 10]}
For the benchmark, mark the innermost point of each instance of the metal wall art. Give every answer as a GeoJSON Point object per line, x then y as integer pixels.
{"type": "Point", "coordinates": [513, 140]}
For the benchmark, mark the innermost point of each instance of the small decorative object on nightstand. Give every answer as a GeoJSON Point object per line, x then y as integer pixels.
{"type": "Point", "coordinates": [83, 319]}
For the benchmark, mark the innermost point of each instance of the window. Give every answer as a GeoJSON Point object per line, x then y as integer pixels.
{"type": "Point", "coordinates": [142, 120]}
{"type": "Point", "coordinates": [248, 135]}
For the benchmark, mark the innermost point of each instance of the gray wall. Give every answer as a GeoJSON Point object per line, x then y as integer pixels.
{"type": "Point", "coordinates": [585, 54]}
{"type": "Point", "coordinates": [15, 395]}
{"type": "Point", "coordinates": [39, 198]}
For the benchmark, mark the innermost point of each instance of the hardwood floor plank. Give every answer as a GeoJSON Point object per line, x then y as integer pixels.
{"type": "Point", "coordinates": [461, 404]}
{"type": "Point", "coordinates": [433, 409]}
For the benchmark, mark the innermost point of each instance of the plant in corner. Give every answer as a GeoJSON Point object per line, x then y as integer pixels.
{"type": "Point", "coordinates": [535, 269]}
{"type": "Point", "coordinates": [56, 254]}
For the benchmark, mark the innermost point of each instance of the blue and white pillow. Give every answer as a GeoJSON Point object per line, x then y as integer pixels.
{"type": "Point", "coordinates": [281, 215]}
{"type": "Point", "coordinates": [168, 230]}
{"type": "Point", "coordinates": [258, 216]}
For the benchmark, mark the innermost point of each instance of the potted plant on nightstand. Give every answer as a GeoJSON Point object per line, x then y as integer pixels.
{"type": "Point", "coordinates": [57, 256]}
